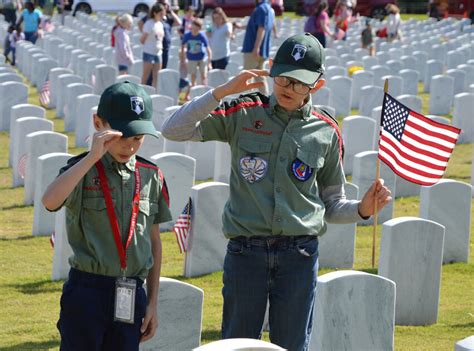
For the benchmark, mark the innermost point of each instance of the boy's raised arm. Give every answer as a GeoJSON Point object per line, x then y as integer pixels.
{"type": "Point", "coordinates": [59, 190]}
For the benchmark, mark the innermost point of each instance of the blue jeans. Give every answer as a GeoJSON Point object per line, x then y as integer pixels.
{"type": "Point", "coordinates": [86, 320]}
{"type": "Point", "coordinates": [31, 36]}
{"type": "Point", "coordinates": [280, 269]}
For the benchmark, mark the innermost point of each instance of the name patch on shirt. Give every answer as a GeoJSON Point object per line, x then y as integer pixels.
{"type": "Point", "coordinates": [252, 168]}
{"type": "Point", "coordinates": [301, 170]}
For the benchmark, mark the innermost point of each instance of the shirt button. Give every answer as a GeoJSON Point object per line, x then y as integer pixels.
{"type": "Point", "coordinates": [278, 219]}
{"type": "Point", "coordinates": [278, 189]}
{"type": "Point", "coordinates": [282, 159]}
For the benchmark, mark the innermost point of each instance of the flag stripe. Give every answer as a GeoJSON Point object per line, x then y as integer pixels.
{"type": "Point", "coordinates": [451, 131]}
{"type": "Point", "coordinates": [427, 144]}
{"type": "Point", "coordinates": [410, 166]}
{"type": "Point", "coordinates": [420, 148]}
{"type": "Point", "coordinates": [437, 135]}
{"type": "Point", "coordinates": [388, 145]}
{"type": "Point", "coordinates": [414, 178]}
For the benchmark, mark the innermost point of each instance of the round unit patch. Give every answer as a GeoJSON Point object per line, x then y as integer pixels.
{"type": "Point", "coordinates": [253, 169]}
{"type": "Point", "coordinates": [301, 170]}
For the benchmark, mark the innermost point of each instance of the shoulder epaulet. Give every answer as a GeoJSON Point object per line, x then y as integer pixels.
{"type": "Point", "coordinates": [324, 115]}
{"type": "Point", "coordinates": [72, 161]}
{"type": "Point", "coordinates": [143, 162]}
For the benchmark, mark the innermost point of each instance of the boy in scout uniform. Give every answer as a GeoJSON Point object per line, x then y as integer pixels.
{"type": "Point", "coordinates": [286, 181]}
{"type": "Point", "coordinates": [114, 202]}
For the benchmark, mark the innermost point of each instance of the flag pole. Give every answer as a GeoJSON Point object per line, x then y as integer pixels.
{"type": "Point", "coordinates": [377, 176]}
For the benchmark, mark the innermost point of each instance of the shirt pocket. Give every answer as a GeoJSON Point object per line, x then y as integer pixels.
{"type": "Point", "coordinates": [305, 167]}
{"type": "Point", "coordinates": [253, 158]}
{"type": "Point", "coordinates": [147, 211]}
{"type": "Point", "coordinates": [94, 215]}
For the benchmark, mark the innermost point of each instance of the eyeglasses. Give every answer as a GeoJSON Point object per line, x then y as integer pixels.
{"type": "Point", "coordinates": [297, 86]}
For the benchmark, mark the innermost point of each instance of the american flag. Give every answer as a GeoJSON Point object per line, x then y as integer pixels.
{"type": "Point", "coordinates": [52, 239]}
{"type": "Point", "coordinates": [182, 226]}
{"type": "Point", "coordinates": [21, 166]}
{"type": "Point", "coordinates": [45, 93]}
{"type": "Point", "coordinates": [413, 146]}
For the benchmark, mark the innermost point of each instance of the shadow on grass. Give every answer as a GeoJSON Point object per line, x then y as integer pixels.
{"type": "Point", "coordinates": [29, 237]}
{"type": "Point", "coordinates": [211, 335]}
{"type": "Point", "coordinates": [40, 345]}
{"type": "Point", "coordinates": [39, 287]}
{"type": "Point", "coordinates": [12, 207]}
{"type": "Point", "coordinates": [468, 325]}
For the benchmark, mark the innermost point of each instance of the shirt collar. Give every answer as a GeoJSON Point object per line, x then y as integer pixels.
{"type": "Point", "coordinates": [113, 164]}
{"type": "Point", "coordinates": [304, 112]}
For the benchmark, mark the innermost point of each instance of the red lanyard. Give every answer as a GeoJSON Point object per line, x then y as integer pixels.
{"type": "Point", "coordinates": [111, 212]}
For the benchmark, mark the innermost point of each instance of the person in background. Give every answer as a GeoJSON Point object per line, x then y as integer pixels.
{"type": "Point", "coordinates": [367, 38]}
{"type": "Point", "coordinates": [393, 22]}
{"type": "Point", "coordinates": [256, 46]}
{"type": "Point", "coordinates": [152, 40]}
{"type": "Point", "coordinates": [342, 17]}
{"type": "Point", "coordinates": [194, 49]}
{"type": "Point", "coordinates": [220, 34]}
{"type": "Point", "coordinates": [7, 48]}
{"type": "Point", "coordinates": [184, 84]}
{"type": "Point", "coordinates": [318, 23]}
{"type": "Point", "coordinates": [16, 36]}
{"type": "Point", "coordinates": [112, 33]}
{"type": "Point", "coordinates": [187, 22]}
{"type": "Point", "coordinates": [287, 181]}
{"type": "Point", "coordinates": [31, 20]}
{"type": "Point", "coordinates": [170, 20]}
{"type": "Point", "coordinates": [123, 48]}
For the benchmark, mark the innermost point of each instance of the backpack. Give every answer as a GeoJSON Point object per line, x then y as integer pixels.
{"type": "Point", "coordinates": [310, 25]}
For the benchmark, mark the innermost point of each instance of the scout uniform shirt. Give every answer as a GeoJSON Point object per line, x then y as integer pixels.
{"type": "Point", "coordinates": [88, 226]}
{"type": "Point", "coordinates": [286, 168]}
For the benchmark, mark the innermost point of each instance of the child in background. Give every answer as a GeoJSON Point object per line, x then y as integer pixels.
{"type": "Point", "coordinates": [112, 33]}
{"type": "Point", "coordinates": [193, 46]}
{"type": "Point", "coordinates": [7, 42]}
{"type": "Point", "coordinates": [187, 21]}
{"type": "Point", "coordinates": [17, 35]}
{"type": "Point", "coordinates": [123, 48]}
{"type": "Point", "coordinates": [367, 38]}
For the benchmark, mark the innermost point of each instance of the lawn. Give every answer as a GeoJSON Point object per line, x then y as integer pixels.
{"type": "Point", "coordinates": [30, 300]}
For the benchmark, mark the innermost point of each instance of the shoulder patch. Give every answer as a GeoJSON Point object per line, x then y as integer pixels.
{"type": "Point", "coordinates": [243, 101]}
{"type": "Point", "coordinates": [326, 117]}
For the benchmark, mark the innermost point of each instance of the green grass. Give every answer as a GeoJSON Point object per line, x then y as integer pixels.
{"type": "Point", "coordinates": [30, 301]}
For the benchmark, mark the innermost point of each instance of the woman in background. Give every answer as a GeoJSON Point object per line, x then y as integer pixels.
{"type": "Point", "coordinates": [219, 36]}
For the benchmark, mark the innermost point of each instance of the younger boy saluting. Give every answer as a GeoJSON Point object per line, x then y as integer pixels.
{"type": "Point", "coordinates": [286, 181]}
{"type": "Point", "coordinates": [114, 203]}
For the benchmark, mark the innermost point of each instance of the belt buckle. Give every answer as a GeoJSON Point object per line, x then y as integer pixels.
{"type": "Point", "coordinates": [272, 241]}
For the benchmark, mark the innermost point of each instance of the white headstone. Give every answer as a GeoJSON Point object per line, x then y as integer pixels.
{"type": "Point", "coordinates": [206, 243]}
{"type": "Point", "coordinates": [370, 97]}
{"type": "Point", "coordinates": [322, 96]}
{"type": "Point", "coordinates": [358, 133]}
{"type": "Point", "coordinates": [466, 344]}
{"type": "Point", "coordinates": [433, 68]}
{"type": "Point", "coordinates": [73, 91]}
{"type": "Point", "coordinates": [168, 83]}
{"type": "Point", "coordinates": [337, 245]}
{"type": "Point", "coordinates": [395, 84]}
{"type": "Point", "coordinates": [240, 345]}
{"type": "Point", "coordinates": [198, 90]}
{"type": "Point", "coordinates": [411, 255]}
{"type": "Point", "coordinates": [204, 154]}
{"type": "Point", "coordinates": [360, 79]}
{"type": "Point", "coordinates": [449, 203]}
{"type": "Point", "coordinates": [11, 94]}
{"type": "Point", "coordinates": [84, 118]}
{"type": "Point", "coordinates": [179, 171]}
{"type": "Point", "coordinates": [413, 102]}
{"type": "Point", "coordinates": [24, 126]}
{"type": "Point", "coordinates": [380, 71]}
{"type": "Point", "coordinates": [410, 81]}
{"type": "Point", "coordinates": [217, 77]}
{"type": "Point", "coordinates": [363, 175]}
{"type": "Point", "coordinates": [180, 314]}
{"type": "Point", "coordinates": [128, 77]}
{"type": "Point", "coordinates": [10, 77]}
{"type": "Point", "coordinates": [48, 166]}
{"type": "Point", "coordinates": [441, 95]}
{"type": "Point", "coordinates": [459, 80]}
{"type": "Point", "coordinates": [463, 116]}
{"type": "Point", "coordinates": [54, 73]}
{"type": "Point", "coordinates": [160, 103]}
{"type": "Point", "coordinates": [37, 144]}
{"type": "Point", "coordinates": [222, 163]}
{"type": "Point", "coordinates": [341, 97]}
{"type": "Point", "coordinates": [63, 81]}
{"type": "Point", "coordinates": [353, 311]}
{"type": "Point", "coordinates": [62, 249]}
{"type": "Point", "coordinates": [103, 77]}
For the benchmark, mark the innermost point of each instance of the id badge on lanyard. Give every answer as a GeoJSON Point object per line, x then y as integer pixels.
{"type": "Point", "coordinates": [125, 289]}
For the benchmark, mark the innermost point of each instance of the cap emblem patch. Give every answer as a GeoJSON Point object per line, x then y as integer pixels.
{"type": "Point", "coordinates": [299, 51]}
{"type": "Point", "coordinates": [138, 106]}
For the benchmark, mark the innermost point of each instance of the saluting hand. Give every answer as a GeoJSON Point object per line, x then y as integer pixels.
{"type": "Point", "coordinates": [240, 83]}
{"type": "Point", "coordinates": [102, 141]}
{"type": "Point", "coordinates": [376, 191]}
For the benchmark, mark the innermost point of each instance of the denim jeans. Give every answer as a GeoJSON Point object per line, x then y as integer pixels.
{"type": "Point", "coordinates": [282, 270]}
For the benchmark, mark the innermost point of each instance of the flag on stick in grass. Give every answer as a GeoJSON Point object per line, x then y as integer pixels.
{"type": "Point", "coordinates": [182, 226]}
{"type": "Point", "coordinates": [51, 239]}
{"type": "Point", "coordinates": [45, 93]}
{"type": "Point", "coordinates": [413, 146]}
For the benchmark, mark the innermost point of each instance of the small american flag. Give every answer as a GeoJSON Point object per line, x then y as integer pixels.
{"type": "Point", "coordinates": [413, 146]}
{"type": "Point", "coordinates": [45, 93]}
{"type": "Point", "coordinates": [21, 166]}
{"type": "Point", "coordinates": [182, 226]}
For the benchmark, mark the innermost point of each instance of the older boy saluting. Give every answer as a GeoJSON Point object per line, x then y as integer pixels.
{"type": "Point", "coordinates": [286, 180]}
{"type": "Point", "coordinates": [114, 203]}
